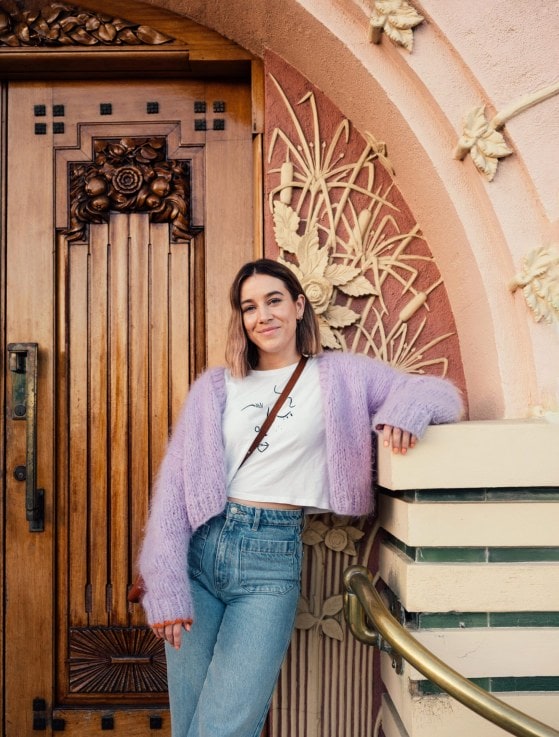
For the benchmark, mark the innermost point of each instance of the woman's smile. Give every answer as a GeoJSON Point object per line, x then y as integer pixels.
{"type": "Point", "coordinates": [270, 317]}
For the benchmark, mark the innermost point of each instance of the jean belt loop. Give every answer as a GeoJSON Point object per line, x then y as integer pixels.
{"type": "Point", "coordinates": [256, 522]}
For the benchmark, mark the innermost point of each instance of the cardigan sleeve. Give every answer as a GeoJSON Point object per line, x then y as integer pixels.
{"type": "Point", "coordinates": [412, 401]}
{"type": "Point", "coordinates": [163, 558]}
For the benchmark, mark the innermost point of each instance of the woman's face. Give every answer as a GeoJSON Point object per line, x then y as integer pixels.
{"type": "Point", "coordinates": [270, 319]}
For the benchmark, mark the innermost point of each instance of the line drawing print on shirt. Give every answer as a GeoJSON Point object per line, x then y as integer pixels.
{"type": "Point", "coordinates": [264, 445]}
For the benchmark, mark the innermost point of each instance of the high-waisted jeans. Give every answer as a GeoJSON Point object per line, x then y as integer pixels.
{"type": "Point", "coordinates": [244, 567]}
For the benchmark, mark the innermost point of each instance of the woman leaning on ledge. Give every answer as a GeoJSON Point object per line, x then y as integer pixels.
{"type": "Point", "coordinates": [221, 558]}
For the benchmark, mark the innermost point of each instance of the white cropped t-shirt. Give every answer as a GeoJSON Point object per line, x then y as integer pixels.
{"type": "Point", "coordinates": [289, 465]}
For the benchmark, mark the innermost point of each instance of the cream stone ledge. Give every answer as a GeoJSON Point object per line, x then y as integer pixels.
{"type": "Point", "coordinates": [470, 587]}
{"type": "Point", "coordinates": [479, 454]}
{"type": "Point", "coordinates": [406, 715]}
{"type": "Point", "coordinates": [492, 652]}
{"type": "Point", "coordinates": [471, 524]}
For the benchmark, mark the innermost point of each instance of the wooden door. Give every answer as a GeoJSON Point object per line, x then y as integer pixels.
{"type": "Point", "coordinates": [128, 210]}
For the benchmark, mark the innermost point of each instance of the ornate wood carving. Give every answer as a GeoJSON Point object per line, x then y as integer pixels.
{"type": "Point", "coordinates": [116, 660]}
{"type": "Point", "coordinates": [130, 175]}
{"type": "Point", "coordinates": [58, 24]}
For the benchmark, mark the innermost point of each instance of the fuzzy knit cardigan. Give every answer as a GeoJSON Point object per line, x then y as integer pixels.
{"type": "Point", "coordinates": [191, 487]}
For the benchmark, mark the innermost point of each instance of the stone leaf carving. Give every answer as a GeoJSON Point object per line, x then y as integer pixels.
{"type": "Point", "coordinates": [396, 18]}
{"type": "Point", "coordinates": [482, 138]}
{"type": "Point", "coordinates": [58, 24]}
{"type": "Point", "coordinates": [485, 144]}
{"type": "Point", "coordinates": [130, 175]}
{"type": "Point", "coordinates": [326, 621]}
{"type": "Point", "coordinates": [539, 281]}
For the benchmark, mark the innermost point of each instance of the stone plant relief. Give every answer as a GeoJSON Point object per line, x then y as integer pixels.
{"type": "Point", "coordinates": [482, 139]}
{"type": "Point", "coordinates": [397, 18]}
{"type": "Point", "coordinates": [338, 230]}
{"type": "Point", "coordinates": [539, 281]}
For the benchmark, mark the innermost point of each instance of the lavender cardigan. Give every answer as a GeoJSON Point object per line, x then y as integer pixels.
{"type": "Point", "coordinates": [190, 488]}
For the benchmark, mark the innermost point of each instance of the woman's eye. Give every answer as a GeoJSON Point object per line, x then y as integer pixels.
{"type": "Point", "coordinates": [274, 301]}
{"type": "Point", "coordinates": [247, 309]}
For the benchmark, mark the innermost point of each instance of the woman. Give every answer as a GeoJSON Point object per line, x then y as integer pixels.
{"type": "Point", "coordinates": [221, 557]}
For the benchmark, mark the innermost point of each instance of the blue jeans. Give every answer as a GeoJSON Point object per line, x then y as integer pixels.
{"type": "Point", "coordinates": [244, 567]}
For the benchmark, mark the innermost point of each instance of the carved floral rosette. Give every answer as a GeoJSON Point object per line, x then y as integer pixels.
{"type": "Point", "coordinates": [130, 175]}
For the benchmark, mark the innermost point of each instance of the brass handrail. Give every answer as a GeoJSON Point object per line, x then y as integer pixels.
{"type": "Point", "coordinates": [362, 601]}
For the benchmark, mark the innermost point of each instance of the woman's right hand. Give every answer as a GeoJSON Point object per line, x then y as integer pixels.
{"type": "Point", "coordinates": [399, 440]}
{"type": "Point", "coordinates": [171, 633]}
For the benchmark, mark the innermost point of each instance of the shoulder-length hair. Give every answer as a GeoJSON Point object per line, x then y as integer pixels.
{"type": "Point", "coordinates": [241, 354]}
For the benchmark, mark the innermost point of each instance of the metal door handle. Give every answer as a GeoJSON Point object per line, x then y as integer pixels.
{"type": "Point", "coordinates": [23, 368]}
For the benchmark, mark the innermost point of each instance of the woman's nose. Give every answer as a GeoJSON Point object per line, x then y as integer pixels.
{"type": "Point", "coordinates": [264, 313]}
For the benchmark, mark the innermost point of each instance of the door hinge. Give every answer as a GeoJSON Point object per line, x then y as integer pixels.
{"type": "Point", "coordinates": [42, 715]}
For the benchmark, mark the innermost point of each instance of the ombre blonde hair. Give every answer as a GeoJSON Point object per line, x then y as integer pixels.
{"type": "Point", "coordinates": [241, 354]}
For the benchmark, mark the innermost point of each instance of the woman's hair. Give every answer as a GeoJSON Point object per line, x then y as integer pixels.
{"type": "Point", "coordinates": [240, 353]}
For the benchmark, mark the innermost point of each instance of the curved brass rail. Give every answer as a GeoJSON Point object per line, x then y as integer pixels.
{"type": "Point", "coordinates": [362, 601]}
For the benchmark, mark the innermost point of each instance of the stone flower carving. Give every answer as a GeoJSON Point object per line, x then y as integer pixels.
{"type": "Point", "coordinates": [396, 18]}
{"type": "Point", "coordinates": [539, 281]}
{"type": "Point", "coordinates": [326, 621]}
{"type": "Point", "coordinates": [58, 24]}
{"type": "Point", "coordinates": [340, 536]}
{"type": "Point", "coordinates": [320, 278]}
{"type": "Point", "coordinates": [485, 144]}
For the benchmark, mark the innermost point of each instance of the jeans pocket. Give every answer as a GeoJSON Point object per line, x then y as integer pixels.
{"type": "Point", "coordinates": [269, 566]}
{"type": "Point", "coordinates": [196, 550]}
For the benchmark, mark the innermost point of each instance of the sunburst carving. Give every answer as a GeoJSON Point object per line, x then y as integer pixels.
{"type": "Point", "coordinates": [116, 660]}
{"type": "Point", "coordinates": [58, 24]}
{"type": "Point", "coordinates": [130, 175]}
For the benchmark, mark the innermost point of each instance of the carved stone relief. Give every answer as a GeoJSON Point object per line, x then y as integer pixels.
{"type": "Point", "coordinates": [539, 281]}
{"type": "Point", "coordinates": [336, 226]}
{"type": "Point", "coordinates": [483, 140]}
{"type": "Point", "coordinates": [58, 24]}
{"type": "Point", "coordinates": [130, 175]}
{"type": "Point", "coordinates": [397, 18]}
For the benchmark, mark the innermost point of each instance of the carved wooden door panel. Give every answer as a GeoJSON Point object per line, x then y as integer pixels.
{"type": "Point", "coordinates": [128, 209]}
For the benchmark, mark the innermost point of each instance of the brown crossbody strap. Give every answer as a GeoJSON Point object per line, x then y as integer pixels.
{"type": "Point", "coordinates": [276, 408]}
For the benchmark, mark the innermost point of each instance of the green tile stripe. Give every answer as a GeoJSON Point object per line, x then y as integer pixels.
{"type": "Point", "coordinates": [530, 494]}
{"type": "Point", "coordinates": [499, 685]}
{"type": "Point", "coordinates": [475, 554]}
{"type": "Point", "coordinates": [462, 620]}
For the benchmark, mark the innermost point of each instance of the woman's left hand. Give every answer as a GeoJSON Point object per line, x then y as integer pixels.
{"type": "Point", "coordinates": [399, 440]}
{"type": "Point", "coordinates": [171, 633]}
